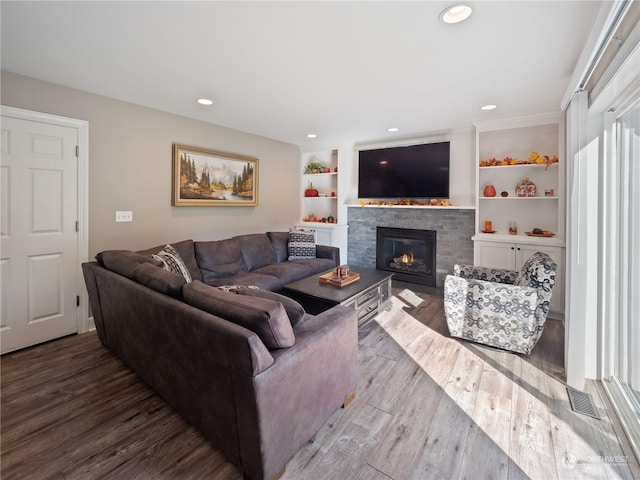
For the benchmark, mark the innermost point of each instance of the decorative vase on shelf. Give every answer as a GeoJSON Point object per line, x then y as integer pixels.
{"type": "Point", "coordinates": [526, 188]}
{"type": "Point", "coordinates": [489, 190]}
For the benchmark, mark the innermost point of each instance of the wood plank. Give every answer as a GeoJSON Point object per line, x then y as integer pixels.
{"type": "Point", "coordinates": [349, 453]}
{"type": "Point", "coordinates": [486, 452]}
{"type": "Point", "coordinates": [531, 444]}
{"type": "Point", "coordinates": [443, 452]}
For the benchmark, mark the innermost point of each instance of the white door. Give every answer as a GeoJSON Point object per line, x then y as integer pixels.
{"type": "Point", "coordinates": [39, 242]}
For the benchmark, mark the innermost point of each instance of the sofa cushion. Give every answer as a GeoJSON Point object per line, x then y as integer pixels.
{"type": "Point", "coordinates": [260, 280]}
{"type": "Point", "coordinates": [256, 250]}
{"type": "Point", "coordinates": [187, 253]}
{"type": "Point", "coordinates": [172, 262]}
{"type": "Point", "coordinates": [287, 272]}
{"type": "Point", "coordinates": [280, 243]}
{"type": "Point", "coordinates": [294, 310]}
{"type": "Point", "coordinates": [219, 259]}
{"type": "Point", "coordinates": [159, 279]}
{"type": "Point", "coordinates": [315, 265]}
{"type": "Point", "coordinates": [124, 262]}
{"type": "Point", "coordinates": [302, 244]}
{"type": "Point", "coordinates": [268, 319]}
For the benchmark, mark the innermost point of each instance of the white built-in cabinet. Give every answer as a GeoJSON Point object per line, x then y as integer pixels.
{"type": "Point", "coordinates": [517, 138]}
{"type": "Point", "coordinates": [330, 204]}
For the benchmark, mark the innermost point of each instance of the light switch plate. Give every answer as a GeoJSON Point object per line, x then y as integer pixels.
{"type": "Point", "coordinates": [124, 216]}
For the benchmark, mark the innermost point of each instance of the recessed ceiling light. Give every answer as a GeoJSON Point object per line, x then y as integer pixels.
{"type": "Point", "coordinates": [456, 13]}
{"type": "Point", "coordinates": [488, 107]}
{"type": "Point", "coordinates": [311, 135]}
{"type": "Point", "coordinates": [205, 101]}
{"type": "Point", "coordinates": [392, 129]}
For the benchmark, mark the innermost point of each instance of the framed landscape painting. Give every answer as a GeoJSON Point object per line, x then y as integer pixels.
{"type": "Point", "coordinates": [213, 179]}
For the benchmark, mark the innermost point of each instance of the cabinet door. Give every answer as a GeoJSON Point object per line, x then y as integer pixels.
{"type": "Point", "coordinates": [495, 255]}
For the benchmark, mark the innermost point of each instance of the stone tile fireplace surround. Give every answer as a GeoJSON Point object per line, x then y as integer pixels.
{"type": "Point", "coordinates": [454, 228]}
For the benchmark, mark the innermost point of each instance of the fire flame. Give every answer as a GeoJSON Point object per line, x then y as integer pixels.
{"type": "Point", "coordinates": [408, 259]}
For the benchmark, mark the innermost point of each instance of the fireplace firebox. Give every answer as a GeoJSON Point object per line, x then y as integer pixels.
{"type": "Point", "coordinates": [410, 254]}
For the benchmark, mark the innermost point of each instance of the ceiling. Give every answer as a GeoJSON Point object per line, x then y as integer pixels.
{"type": "Point", "coordinates": [341, 70]}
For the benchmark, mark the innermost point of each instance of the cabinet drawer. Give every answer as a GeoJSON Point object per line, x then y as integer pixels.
{"type": "Point", "coordinates": [368, 307]}
{"type": "Point", "coordinates": [367, 296]}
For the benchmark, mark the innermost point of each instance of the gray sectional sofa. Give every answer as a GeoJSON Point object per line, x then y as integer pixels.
{"type": "Point", "coordinates": [249, 368]}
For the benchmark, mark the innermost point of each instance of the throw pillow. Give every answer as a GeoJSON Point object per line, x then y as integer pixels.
{"type": "Point", "coordinates": [172, 261]}
{"type": "Point", "coordinates": [294, 310]}
{"type": "Point", "coordinates": [159, 279]}
{"type": "Point", "coordinates": [302, 244]}
{"type": "Point", "coordinates": [265, 318]}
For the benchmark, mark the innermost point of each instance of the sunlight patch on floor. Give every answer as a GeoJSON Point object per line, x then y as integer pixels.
{"type": "Point", "coordinates": [410, 297]}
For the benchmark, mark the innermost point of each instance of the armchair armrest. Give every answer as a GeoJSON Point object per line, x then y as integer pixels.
{"type": "Point", "coordinates": [499, 275]}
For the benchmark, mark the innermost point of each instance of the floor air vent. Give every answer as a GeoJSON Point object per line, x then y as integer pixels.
{"type": "Point", "coordinates": [582, 402]}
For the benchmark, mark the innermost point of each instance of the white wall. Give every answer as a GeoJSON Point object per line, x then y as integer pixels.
{"type": "Point", "coordinates": [130, 165]}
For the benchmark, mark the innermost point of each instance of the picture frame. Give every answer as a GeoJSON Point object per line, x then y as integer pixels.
{"type": "Point", "coordinates": [209, 178]}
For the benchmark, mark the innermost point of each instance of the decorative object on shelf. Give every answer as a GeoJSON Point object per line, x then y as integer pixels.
{"type": "Point", "coordinates": [513, 228]}
{"type": "Point", "coordinates": [549, 192]}
{"type": "Point", "coordinates": [406, 202]}
{"type": "Point", "coordinates": [311, 192]}
{"type": "Point", "coordinates": [538, 232]}
{"type": "Point", "coordinates": [207, 178]}
{"type": "Point", "coordinates": [504, 193]}
{"type": "Point", "coordinates": [489, 190]}
{"type": "Point", "coordinates": [534, 159]}
{"type": "Point", "coordinates": [526, 188]}
{"type": "Point", "coordinates": [314, 167]}
{"type": "Point", "coordinates": [488, 227]}
{"type": "Point", "coordinates": [538, 159]}
{"type": "Point", "coordinates": [331, 219]}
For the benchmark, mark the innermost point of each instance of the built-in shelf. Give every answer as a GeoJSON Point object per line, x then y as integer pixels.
{"type": "Point", "coordinates": [518, 198]}
{"type": "Point", "coordinates": [519, 238]}
{"type": "Point", "coordinates": [439, 207]}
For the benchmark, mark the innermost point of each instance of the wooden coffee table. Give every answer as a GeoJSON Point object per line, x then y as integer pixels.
{"type": "Point", "coordinates": [370, 294]}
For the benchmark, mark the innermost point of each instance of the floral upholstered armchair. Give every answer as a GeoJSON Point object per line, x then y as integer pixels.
{"type": "Point", "coordinates": [501, 308]}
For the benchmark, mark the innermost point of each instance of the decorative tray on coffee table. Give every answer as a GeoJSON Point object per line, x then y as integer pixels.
{"type": "Point", "coordinates": [332, 279]}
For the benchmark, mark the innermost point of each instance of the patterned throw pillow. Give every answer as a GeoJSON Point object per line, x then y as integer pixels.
{"type": "Point", "coordinates": [302, 244]}
{"type": "Point", "coordinates": [172, 261]}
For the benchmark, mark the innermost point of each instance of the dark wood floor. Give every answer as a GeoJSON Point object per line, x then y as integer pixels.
{"type": "Point", "coordinates": [427, 406]}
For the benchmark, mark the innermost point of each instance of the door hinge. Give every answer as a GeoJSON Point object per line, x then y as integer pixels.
{"type": "Point", "coordinates": [77, 225]}
{"type": "Point", "coordinates": [77, 150]}
{"type": "Point", "coordinates": [77, 300]}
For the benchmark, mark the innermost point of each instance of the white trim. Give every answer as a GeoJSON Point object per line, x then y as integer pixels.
{"type": "Point", "coordinates": [576, 309]}
{"type": "Point", "coordinates": [608, 20]}
{"type": "Point", "coordinates": [619, 74]}
{"type": "Point", "coordinates": [84, 323]}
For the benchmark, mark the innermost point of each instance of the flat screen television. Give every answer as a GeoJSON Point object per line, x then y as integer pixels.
{"type": "Point", "coordinates": [414, 171]}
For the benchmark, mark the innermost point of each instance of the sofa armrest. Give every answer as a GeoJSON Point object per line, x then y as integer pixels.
{"type": "Point", "coordinates": [326, 251]}
{"type": "Point", "coordinates": [296, 395]}
{"type": "Point", "coordinates": [499, 275]}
